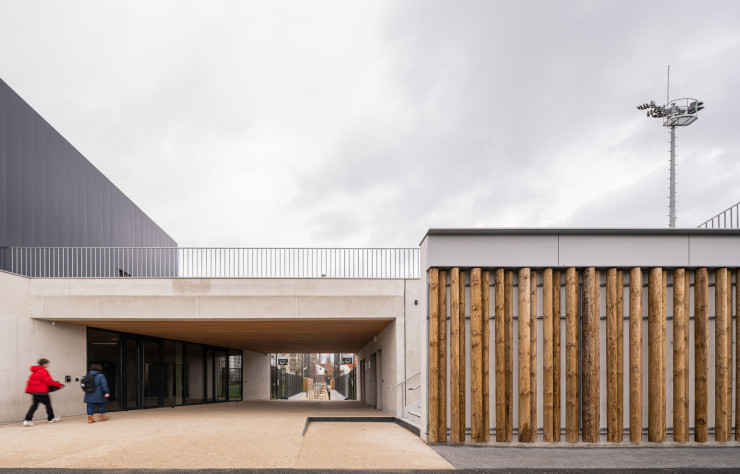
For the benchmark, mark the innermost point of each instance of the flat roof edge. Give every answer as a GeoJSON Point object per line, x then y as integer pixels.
{"type": "Point", "coordinates": [579, 231]}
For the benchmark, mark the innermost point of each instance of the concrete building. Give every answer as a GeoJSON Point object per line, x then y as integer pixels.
{"type": "Point", "coordinates": [622, 331]}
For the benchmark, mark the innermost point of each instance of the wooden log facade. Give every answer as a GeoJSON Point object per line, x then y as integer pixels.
{"type": "Point", "coordinates": [566, 361]}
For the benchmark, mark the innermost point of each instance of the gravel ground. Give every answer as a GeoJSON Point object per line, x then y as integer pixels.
{"type": "Point", "coordinates": [255, 434]}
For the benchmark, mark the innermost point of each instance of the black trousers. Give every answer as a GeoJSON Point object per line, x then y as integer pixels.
{"type": "Point", "coordinates": [40, 398]}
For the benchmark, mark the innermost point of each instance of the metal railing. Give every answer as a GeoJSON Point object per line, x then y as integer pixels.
{"type": "Point", "coordinates": [727, 219]}
{"type": "Point", "coordinates": [192, 262]}
{"type": "Point", "coordinates": [403, 392]}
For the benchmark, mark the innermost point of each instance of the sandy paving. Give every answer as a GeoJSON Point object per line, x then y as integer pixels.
{"type": "Point", "coordinates": [256, 434]}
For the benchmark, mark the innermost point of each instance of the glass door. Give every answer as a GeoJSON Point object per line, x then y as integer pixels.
{"type": "Point", "coordinates": [150, 374]}
{"type": "Point", "coordinates": [194, 374]}
{"type": "Point", "coordinates": [222, 376]}
{"type": "Point", "coordinates": [173, 370]}
{"type": "Point", "coordinates": [131, 373]}
{"type": "Point", "coordinates": [210, 382]}
{"type": "Point", "coordinates": [235, 375]}
{"type": "Point", "coordinates": [103, 347]}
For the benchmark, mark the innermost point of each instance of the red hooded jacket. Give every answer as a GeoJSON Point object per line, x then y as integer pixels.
{"type": "Point", "coordinates": [40, 380]}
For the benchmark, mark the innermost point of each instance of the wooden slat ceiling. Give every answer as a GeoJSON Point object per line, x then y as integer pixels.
{"type": "Point", "coordinates": [347, 335]}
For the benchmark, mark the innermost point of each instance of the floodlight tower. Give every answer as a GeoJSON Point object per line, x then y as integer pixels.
{"type": "Point", "coordinates": [675, 113]}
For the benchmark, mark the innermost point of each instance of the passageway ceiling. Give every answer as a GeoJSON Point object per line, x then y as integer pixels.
{"type": "Point", "coordinates": [302, 335]}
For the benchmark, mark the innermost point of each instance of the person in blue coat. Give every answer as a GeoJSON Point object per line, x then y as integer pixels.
{"type": "Point", "coordinates": [99, 397]}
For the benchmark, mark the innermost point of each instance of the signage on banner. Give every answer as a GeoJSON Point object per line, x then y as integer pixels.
{"type": "Point", "coordinates": [346, 360]}
{"type": "Point", "coordinates": [282, 361]}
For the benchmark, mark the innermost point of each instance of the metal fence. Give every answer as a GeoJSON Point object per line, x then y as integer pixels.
{"type": "Point", "coordinates": [727, 219]}
{"type": "Point", "coordinates": [345, 385]}
{"type": "Point", "coordinates": [285, 385]}
{"type": "Point", "coordinates": [192, 262]}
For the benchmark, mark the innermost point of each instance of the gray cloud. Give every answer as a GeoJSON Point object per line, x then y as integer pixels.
{"type": "Point", "coordinates": [367, 123]}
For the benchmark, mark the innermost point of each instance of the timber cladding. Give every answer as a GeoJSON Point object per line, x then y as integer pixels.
{"type": "Point", "coordinates": [596, 354]}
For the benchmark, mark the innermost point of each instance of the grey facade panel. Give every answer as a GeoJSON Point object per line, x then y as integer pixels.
{"type": "Point", "coordinates": [27, 176]}
{"type": "Point", "coordinates": [13, 177]}
{"type": "Point", "coordinates": [3, 171]}
{"type": "Point", "coordinates": [492, 250]}
{"type": "Point", "coordinates": [624, 251]}
{"type": "Point", "coordinates": [581, 248]}
{"type": "Point", "coordinates": [52, 196]}
{"type": "Point", "coordinates": [714, 251]}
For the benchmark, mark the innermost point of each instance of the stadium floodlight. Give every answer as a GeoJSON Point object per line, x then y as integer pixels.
{"type": "Point", "coordinates": [675, 113]}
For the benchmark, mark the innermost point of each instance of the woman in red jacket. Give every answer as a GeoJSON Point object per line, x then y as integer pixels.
{"type": "Point", "coordinates": [38, 386]}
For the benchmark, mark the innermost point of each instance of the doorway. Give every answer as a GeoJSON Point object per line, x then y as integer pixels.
{"type": "Point", "coordinates": [371, 382]}
{"type": "Point", "coordinates": [379, 379]}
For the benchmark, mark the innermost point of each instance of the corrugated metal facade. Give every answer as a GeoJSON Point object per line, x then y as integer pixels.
{"type": "Point", "coordinates": [51, 195]}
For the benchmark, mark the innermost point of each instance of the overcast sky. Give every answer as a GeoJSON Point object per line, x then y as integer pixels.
{"type": "Point", "coordinates": [366, 123]}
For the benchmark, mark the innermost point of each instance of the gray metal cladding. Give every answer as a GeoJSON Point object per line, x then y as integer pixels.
{"type": "Point", "coordinates": [52, 196]}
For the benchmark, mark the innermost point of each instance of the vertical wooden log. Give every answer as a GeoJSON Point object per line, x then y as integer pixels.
{"type": "Point", "coordinates": [571, 355]}
{"type": "Point", "coordinates": [620, 353]}
{"type": "Point", "coordinates": [721, 403]}
{"type": "Point", "coordinates": [737, 355]}
{"type": "Point", "coordinates": [589, 358]}
{"type": "Point", "coordinates": [433, 397]}
{"type": "Point", "coordinates": [525, 408]}
{"type": "Point", "coordinates": [462, 360]}
{"type": "Point", "coordinates": [729, 354]}
{"type": "Point", "coordinates": [486, 287]}
{"type": "Point", "coordinates": [476, 356]}
{"type": "Point", "coordinates": [509, 312]}
{"type": "Point", "coordinates": [547, 351]}
{"type": "Point", "coordinates": [455, 329]}
{"type": "Point", "coordinates": [442, 356]}
{"type": "Point", "coordinates": [701, 355]}
{"type": "Point", "coordinates": [680, 359]}
{"type": "Point", "coordinates": [500, 348]}
{"type": "Point", "coordinates": [533, 354]}
{"type": "Point", "coordinates": [687, 311]}
{"type": "Point", "coordinates": [655, 359]}
{"type": "Point", "coordinates": [636, 355]}
{"type": "Point", "coordinates": [614, 362]}
{"type": "Point", "coordinates": [556, 355]}
{"type": "Point", "coordinates": [664, 353]}
{"type": "Point", "coordinates": [687, 292]}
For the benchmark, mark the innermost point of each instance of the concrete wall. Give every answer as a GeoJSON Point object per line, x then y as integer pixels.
{"type": "Point", "coordinates": [390, 360]}
{"type": "Point", "coordinates": [23, 341]}
{"type": "Point", "coordinates": [123, 298]}
{"type": "Point", "coordinates": [256, 375]}
{"type": "Point", "coordinates": [413, 317]}
{"type": "Point", "coordinates": [398, 355]}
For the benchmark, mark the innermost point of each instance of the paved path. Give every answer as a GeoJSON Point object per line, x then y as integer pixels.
{"type": "Point", "coordinates": [255, 434]}
{"type": "Point", "coordinates": [583, 459]}
{"type": "Point", "coordinates": [334, 396]}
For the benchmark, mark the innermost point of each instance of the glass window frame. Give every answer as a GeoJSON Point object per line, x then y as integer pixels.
{"type": "Point", "coordinates": [123, 375]}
